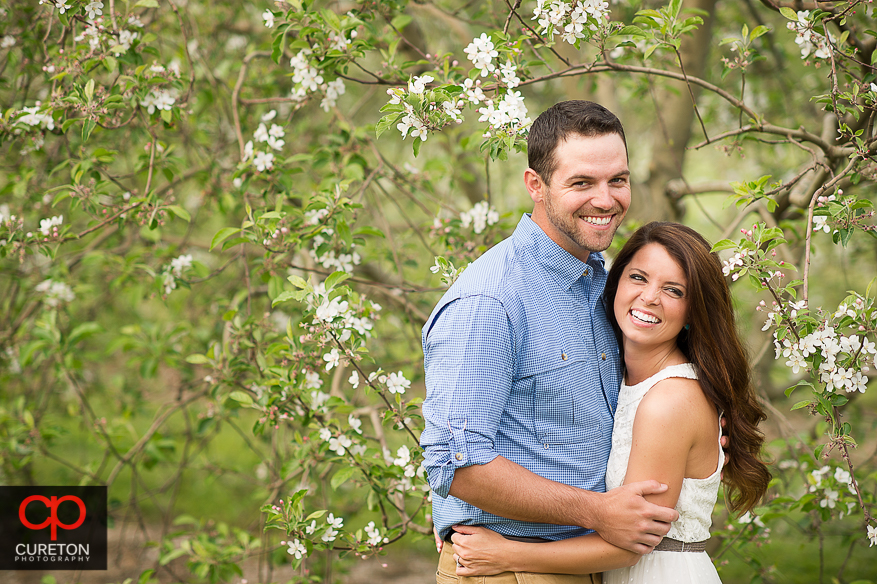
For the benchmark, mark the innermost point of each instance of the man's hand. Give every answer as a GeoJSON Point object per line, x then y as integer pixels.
{"type": "Point", "coordinates": [627, 520]}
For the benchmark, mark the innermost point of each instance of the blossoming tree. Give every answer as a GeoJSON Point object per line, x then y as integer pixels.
{"type": "Point", "coordinates": [218, 247]}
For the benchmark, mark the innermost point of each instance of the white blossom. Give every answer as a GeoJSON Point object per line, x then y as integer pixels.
{"type": "Point", "coordinates": [332, 359]}
{"type": "Point", "coordinates": [872, 535]}
{"type": "Point", "coordinates": [263, 161]}
{"type": "Point", "coordinates": [479, 217]}
{"type": "Point", "coordinates": [509, 74]}
{"type": "Point", "coordinates": [373, 533]}
{"type": "Point", "coordinates": [396, 383]}
{"type": "Point", "coordinates": [830, 499]}
{"type": "Point", "coordinates": [334, 89]}
{"type": "Point", "coordinates": [181, 264]}
{"type": "Point", "coordinates": [481, 52]}
{"type": "Point", "coordinates": [418, 84]}
{"type": "Point", "coordinates": [159, 99]}
{"type": "Point", "coordinates": [354, 379]}
{"type": "Point", "coordinates": [340, 444]}
{"type": "Point", "coordinates": [7, 41]}
{"type": "Point", "coordinates": [473, 92]}
{"type": "Point", "coordinates": [330, 309]}
{"type": "Point", "coordinates": [55, 292]}
{"type": "Point", "coordinates": [748, 517]}
{"type": "Point", "coordinates": [297, 549]}
{"type": "Point", "coordinates": [821, 222]}
{"type": "Point", "coordinates": [355, 423]}
{"type": "Point", "coordinates": [403, 456]}
{"type": "Point", "coordinates": [268, 17]}
{"type": "Point", "coordinates": [33, 117]}
{"type": "Point", "coordinates": [46, 225]}
{"type": "Point", "coordinates": [126, 39]}
{"type": "Point", "coordinates": [93, 9]}
{"type": "Point", "coordinates": [312, 380]}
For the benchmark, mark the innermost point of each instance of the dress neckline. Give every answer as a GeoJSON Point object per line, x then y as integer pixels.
{"type": "Point", "coordinates": [686, 367]}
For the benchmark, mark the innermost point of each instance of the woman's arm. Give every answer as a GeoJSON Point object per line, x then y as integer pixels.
{"type": "Point", "coordinates": [669, 420]}
{"type": "Point", "coordinates": [483, 552]}
{"type": "Point", "coordinates": [672, 419]}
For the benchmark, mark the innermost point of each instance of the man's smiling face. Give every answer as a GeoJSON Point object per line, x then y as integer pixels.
{"type": "Point", "coordinates": [587, 196]}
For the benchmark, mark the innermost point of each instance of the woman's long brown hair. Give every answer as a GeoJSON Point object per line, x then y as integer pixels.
{"type": "Point", "coordinates": [713, 346]}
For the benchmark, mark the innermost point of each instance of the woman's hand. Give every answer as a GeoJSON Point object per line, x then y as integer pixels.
{"type": "Point", "coordinates": [479, 551]}
{"type": "Point", "coordinates": [439, 544]}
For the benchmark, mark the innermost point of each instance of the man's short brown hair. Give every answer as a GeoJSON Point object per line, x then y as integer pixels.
{"type": "Point", "coordinates": [558, 122]}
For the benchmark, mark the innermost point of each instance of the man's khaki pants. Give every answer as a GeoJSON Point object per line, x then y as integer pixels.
{"type": "Point", "coordinates": [447, 568]}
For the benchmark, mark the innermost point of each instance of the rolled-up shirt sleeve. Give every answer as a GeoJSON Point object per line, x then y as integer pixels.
{"type": "Point", "coordinates": [469, 359]}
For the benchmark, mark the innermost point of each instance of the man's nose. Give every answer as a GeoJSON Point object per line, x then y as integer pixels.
{"type": "Point", "coordinates": [602, 198]}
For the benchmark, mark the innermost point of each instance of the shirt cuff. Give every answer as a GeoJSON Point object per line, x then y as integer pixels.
{"type": "Point", "coordinates": [465, 449]}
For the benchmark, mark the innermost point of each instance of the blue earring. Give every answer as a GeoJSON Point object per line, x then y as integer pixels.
{"type": "Point", "coordinates": [687, 327]}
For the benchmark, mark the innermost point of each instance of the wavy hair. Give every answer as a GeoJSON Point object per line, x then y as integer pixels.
{"type": "Point", "coordinates": [713, 347]}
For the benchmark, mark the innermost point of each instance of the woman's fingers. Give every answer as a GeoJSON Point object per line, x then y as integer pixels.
{"type": "Point", "coordinates": [438, 540]}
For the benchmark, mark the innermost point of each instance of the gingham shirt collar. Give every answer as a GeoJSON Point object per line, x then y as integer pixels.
{"type": "Point", "coordinates": [563, 267]}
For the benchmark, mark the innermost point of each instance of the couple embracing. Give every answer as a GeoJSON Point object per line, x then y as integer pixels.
{"type": "Point", "coordinates": [573, 412]}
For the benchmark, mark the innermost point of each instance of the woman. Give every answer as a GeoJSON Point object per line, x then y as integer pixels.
{"type": "Point", "coordinates": [684, 367]}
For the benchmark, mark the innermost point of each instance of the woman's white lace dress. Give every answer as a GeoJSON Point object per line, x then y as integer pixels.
{"type": "Point", "coordinates": [695, 504]}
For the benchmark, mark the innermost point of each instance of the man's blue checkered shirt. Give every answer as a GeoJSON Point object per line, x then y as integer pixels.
{"type": "Point", "coordinates": [520, 362]}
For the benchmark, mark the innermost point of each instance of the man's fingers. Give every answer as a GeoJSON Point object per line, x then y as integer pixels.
{"type": "Point", "coordinates": [465, 529]}
{"type": "Point", "coordinates": [649, 487]}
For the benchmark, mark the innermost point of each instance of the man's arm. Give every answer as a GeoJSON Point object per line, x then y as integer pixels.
{"type": "Point", "coordinates": [622, 516]}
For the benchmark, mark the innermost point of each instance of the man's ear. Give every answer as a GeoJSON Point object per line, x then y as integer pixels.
{"type": "Point", "coordinates": [534, 184]}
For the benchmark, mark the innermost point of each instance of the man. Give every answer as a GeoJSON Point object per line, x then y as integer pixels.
{"type": "Point", "coordinates": [522, 366]}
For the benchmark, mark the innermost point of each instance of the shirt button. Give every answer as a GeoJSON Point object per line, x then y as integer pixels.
{"type": "Point", "coordinates": [603, 356]}
{"type": "Point", "coordinates": [562, 356]}
{"type": "Point", "coordinates": [459, 456]}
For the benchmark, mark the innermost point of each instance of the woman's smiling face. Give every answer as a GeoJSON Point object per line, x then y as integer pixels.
{"type": "Point", "coordinates": [651, 304]}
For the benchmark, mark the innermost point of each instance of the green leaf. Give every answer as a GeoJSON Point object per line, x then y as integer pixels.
{"type": "Point", "coordinates": [400, 21]}
{"type": "Point", "coordinates": [801, 404]}
{"type": "Point", "coordinates": [789, 13]}
{"type": "Point", "coordinates": [298, 282]}
{"type": "Point", "coordinates": [241, 397]}
{"type": "Point", "coordinates": [223, 234]}
{"type": "Point", "coordinates": [87, 129]}
{"type": "Point", "coordinates": [197, 359]}
{"type": "Point", "coordinates": [167, 116]}
{"type": "Point", "coordinates": [89, 90]}
{"type": "Point", "coordinates": [83, 331]}
{"type": "Point", "coordinates": [724, 244]}
{"type": "Point", "coordinates": [284, 296]}
{"type": "Point", "coordinates": [147, 3]}
{"type": "Point", "coordinates": [342, 476]}
{"type": "Point", "coordinates": [335, 278]}
{"type": "Point", "coordinates": [369, 230]}
{"type": "Point", "coordinates": [180, 212]}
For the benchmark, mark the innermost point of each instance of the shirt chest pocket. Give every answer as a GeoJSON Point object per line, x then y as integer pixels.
{"type": "Point", "coordinates": [568, 405]}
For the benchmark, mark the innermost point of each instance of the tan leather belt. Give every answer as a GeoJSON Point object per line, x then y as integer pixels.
{"type": "Point", "coordinates": [674, 545]}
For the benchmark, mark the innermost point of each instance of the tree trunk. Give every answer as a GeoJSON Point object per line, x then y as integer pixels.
{"type": "Point", "coordinates": [674, 116]}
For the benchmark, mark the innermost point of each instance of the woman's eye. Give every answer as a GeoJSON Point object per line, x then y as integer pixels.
{"type": "Point", "coordinates": [675, 292]}
{"type": "Point", "coordinates": [637, 277]}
